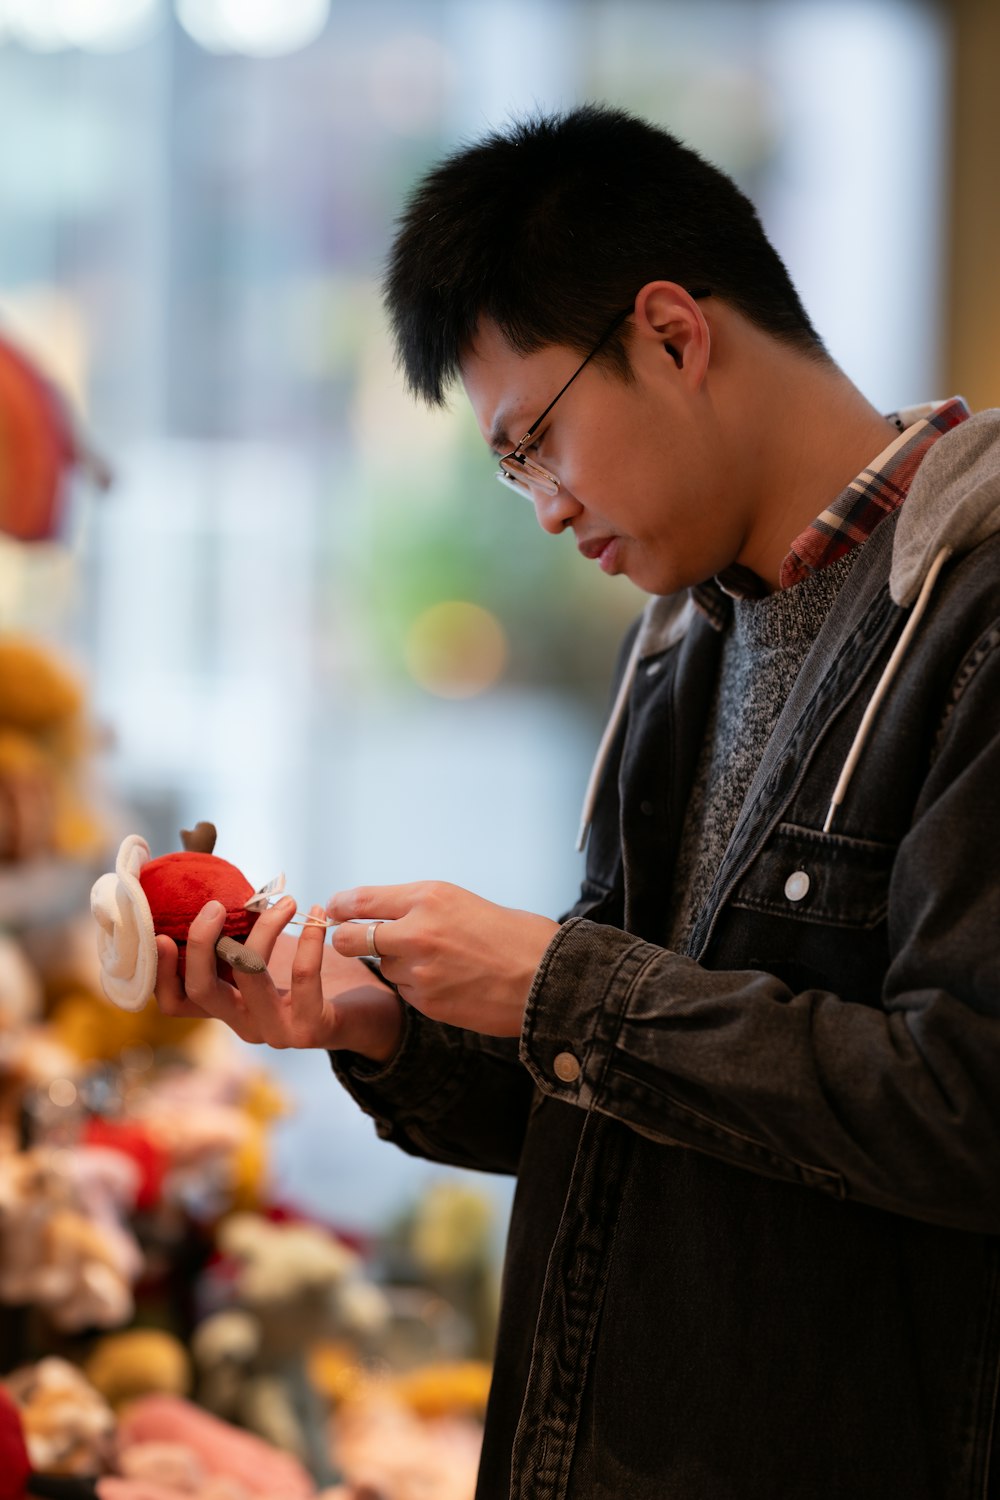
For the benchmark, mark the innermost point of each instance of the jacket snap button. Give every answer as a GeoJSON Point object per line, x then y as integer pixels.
{"type": "Point", "coordinates": [647, 809]}
{"type": "Point", "coordinates": [797, 885]}
{"type": "Point", "coordinates": [653, 668]}
{"type": "Point", "coordinates": [567, 1069]}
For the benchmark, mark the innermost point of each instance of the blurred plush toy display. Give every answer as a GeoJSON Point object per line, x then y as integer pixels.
{"type": "Point", "coordinates": [139, 1362]}
{"type": "Point", "coordinates": [169, 1328]}
{"type": "Point", "coordinates": [68, 1427]}
{"type": "Point", "coordinates": [53, 1423]}
{"type": "Point", "coordinates": [64, 1247]}
{"type": "Point", "coordinates": [46, 744]}
{"type": "Point", "coordinates": [143, 1264]}
{"type": "Point", "coordinates": [290, 1284]}
{"type": "Point", "coordinates": [115, 1162]}
{"type": "Point", "coordinates": [168, 1332]}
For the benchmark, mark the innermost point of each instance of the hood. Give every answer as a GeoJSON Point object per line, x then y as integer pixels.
{"type": "Point", "coordinates": [953, 503]}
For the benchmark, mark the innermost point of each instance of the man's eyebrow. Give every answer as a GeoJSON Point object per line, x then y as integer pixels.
{"type": "Point", "coordinates": [506, 421]}
{"type": "Point", "coordinates": [499, 441]}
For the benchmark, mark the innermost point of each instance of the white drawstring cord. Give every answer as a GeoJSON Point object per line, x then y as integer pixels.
{"type": "Point", "coordinates": [604, 748]}
{"type": "Point", "coordinates": [854, 755]}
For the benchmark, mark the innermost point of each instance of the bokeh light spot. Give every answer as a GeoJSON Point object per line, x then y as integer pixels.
{"type": "Point", "coordinates": [62, 1092]}
{"type": "Point", "coordinates": [456, 650]}
{"type": "Point", "coordinates": [259, 28]}
{"type": "Point", "coordinates": [96, 25]}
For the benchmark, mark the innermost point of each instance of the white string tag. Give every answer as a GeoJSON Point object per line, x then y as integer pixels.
{"type": "Point", "coordinates": [263, 898]}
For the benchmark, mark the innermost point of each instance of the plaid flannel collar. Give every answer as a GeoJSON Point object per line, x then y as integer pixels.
{"type": "Point", "coordinates": [850, 520]}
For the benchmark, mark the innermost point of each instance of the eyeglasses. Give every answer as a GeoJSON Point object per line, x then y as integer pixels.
{"type": "Point", "coordinates": [523, 474]}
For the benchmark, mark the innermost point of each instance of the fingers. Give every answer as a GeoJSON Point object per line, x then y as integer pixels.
{"type": "Point", "coordinates": [270, 925]}
{"type": "Point", "coordinates": [252, 1005]}
{"type": "Point", "coordinates": [289, 1017]}
{"type": "Point", "coordinates": [309, 950]}
{"type": "Point", "coordinates": [205, 993]}
{"type": "Point", "coordinates": [201, 974]}
{"type": "Point", "coordinates": [170, 996]}
{"type": "Point", "coordinates": [258, 990]}
{"type": "Point", "coordinates": [384, 905]}
{"type": "Point", "coordinates": [211, 994]}
{"type": "Point", "coordinates": [351, 939]}
{"type": "Point", "coordinates": [206, 930]}
{"type": "Point", "coordinates": [376, 901]}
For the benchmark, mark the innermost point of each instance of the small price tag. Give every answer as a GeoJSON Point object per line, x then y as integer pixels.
{"type": "Point", "coordinates": [262, 899]}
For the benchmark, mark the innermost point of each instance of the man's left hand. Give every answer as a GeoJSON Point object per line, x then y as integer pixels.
{"type": "Point", "coordinates": [450, 954]}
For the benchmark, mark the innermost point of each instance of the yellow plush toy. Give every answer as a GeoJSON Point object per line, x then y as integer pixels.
{"type": "Point", "coordinates": [28, 797]}
{"type": "Point", "coordinates": [95, 1030]}
{"type": "Point", "coordinates": [44, 743]}
{"type": "Point", "coordinates": [37, 691]}
{"type": "Point", "coordinates": [123, 1366]}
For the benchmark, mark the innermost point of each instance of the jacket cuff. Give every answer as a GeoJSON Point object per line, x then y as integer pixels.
{"type": "Point", "coordinates": [576, 1005]}
{"type": "Point", "coordinates": [421, 1079]}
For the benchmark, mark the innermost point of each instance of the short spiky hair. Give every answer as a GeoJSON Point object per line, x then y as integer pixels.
{"type": "Point", "coordinates": [551, 226]}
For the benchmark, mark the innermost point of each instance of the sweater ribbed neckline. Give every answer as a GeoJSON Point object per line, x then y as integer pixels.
{"type": "Point", "coordinates": [793, 614]}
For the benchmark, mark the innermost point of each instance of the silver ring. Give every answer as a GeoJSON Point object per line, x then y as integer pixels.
{"type": "Point", "coordinates": [370, 939]}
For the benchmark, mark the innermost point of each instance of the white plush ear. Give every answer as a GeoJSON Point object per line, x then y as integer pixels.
{"type": "Point", "coordinates": [126, 941]}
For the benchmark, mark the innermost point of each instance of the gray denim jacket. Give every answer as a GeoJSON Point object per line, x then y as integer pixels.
{"type": "Point", "coordinates": [755, 1245]}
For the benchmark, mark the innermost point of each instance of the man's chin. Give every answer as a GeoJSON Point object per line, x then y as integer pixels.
{"type": "Point", "coordinates": [656, 581]}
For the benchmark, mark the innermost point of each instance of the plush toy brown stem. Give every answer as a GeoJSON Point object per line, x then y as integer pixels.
{"type": "Point", "coordinates": [200, 839]}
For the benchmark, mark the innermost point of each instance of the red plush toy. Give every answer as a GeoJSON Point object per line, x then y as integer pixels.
{"type": "Point", "coordinates": [18, 1481]}
{"type": "Point", "coordinates": [147, 896]}
{"type": "Point", "coordinates": [14, 1463]}
{"type": "Point", "coordinates": [39, 444]}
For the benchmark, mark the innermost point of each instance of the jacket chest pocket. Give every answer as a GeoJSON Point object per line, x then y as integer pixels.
{"type": "Point", "coordinates": [805, 875]}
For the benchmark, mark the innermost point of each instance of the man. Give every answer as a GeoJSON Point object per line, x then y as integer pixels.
{"type": "Point", "coordinates": [749, 1083]}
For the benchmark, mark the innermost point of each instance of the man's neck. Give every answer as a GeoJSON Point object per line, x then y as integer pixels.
{"type": "Point", "coordinates": [813, 432]}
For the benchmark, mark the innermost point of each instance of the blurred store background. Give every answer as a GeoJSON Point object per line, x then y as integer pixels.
{"type": "Point", "coordinates": [304, 609]}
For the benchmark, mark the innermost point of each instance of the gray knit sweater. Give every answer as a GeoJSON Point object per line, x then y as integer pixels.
{"type": "Point", "coordinates": [766, 643]}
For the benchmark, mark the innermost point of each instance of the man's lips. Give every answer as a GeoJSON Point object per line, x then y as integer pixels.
{"type": "Point", "coordinates": [595, 546]}
{"type": "Point", "coordinates": [604, 549]}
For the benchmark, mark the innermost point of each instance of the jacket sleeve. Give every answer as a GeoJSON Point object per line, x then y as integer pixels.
{"type": "Point", "coordinates": [897, 1105]}
{"type": "Point", "coordinates": [447, 1094]}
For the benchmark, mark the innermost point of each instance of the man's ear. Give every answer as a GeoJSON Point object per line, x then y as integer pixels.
{"type": "Point", "coordinates": [668, 318]}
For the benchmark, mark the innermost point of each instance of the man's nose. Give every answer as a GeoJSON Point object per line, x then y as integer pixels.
{"type": "Point", "coordinates": [555, 512]}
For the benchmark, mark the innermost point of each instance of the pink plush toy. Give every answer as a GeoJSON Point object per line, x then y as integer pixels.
{"type": "Point", "coordinates": [221, 1450]}
{"type": "Point", "coordinates": [147, 896]}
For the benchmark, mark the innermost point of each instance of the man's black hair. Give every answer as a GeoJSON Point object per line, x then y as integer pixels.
{"type": "Point", "coordinates": [552, 225]}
